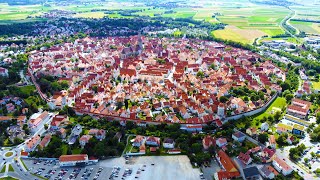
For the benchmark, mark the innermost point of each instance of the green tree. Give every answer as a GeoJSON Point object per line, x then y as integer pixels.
{"type": "Point", "coordinates": [263, 137]}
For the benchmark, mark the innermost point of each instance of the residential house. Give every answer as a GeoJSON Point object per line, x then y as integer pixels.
{"type": "Point", "coordinates": [299, 108]}
{"type": "Point", "coordinates": [32, 143]}
{"type": "Point", "coordinates": [251, 131]}
{"type": "Point", "coordinates": [138, 141]}
{"type": "Point", "coordinates": [264, 126]}
{"type": "Point", "coordinates": [281, 166]}
{"type": "Point", "coordinates": [208, 141]}
{"type": "Point", "coordinates": [221, 142]}
{"type": "Point", "coordinates": [45, 141]}
{"type": "Point", "coordinates": [100, 134]}
{"type": "Point", "coordinates": [168, 143]}
{"type": "Point", "coordinates": [272, 141]}
{"type": "Point", "coordinates": [153, 141]}
{"type": "Point", "coordinates": [238, 136]}
{"type": "Point", "coordinates": [84, 140]}
{"type": "Point", "coordinates": [251, 173]}
{"type": "Point", "coordinates": [245, 158]}
{"type": "Point", "coordinates": [229, 169]}
{"type": "Point", "coordinates": [268, 172]}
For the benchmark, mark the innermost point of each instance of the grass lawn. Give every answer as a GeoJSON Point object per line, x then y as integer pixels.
{"type": "Point", "coordinates": [3, 169]}
{"type": "Point", "coordinates": [64, 149]}
{"type": "Point", "coordinates": [129, 145]}
{"type": "Point", "coordinates": [11, 168]}
{"type": "Point", "coordinates": [278, 104]}
{"type": "Point", "coordinates": [316, 85]}
{"type": "Point", "coordinates": [76, 151]}
{"type": "Point", "coordinates": [24, 164]}
{"type": "Point", "coordinates": [8, 154]}
{"type": "Point", "coordinates": [27, 89]}
{"type": "Point", "coordinates": [8, 178]}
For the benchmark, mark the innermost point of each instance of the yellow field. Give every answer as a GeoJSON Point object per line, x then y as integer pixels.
{"type": "Point", "coordinates": [237, 34]}
{"type": "Point", "coordinates": [90, 15]}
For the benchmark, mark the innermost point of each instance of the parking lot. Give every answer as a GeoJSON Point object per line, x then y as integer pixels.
{"type": "Point", "coordinates": [50, 169]}
{"type": "Point", "coordinates": [152, 167]}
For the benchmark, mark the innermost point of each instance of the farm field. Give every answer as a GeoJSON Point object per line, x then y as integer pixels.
{"type": "Point", "coordinates": [90, 15]}
{"type": "Point", "coordinates": [308, 27]}
{"type": "Point", "coordinates": [237, 34]}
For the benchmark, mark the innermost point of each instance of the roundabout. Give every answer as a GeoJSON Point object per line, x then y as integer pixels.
{"type": "Point", "coordinates": [8, 154]}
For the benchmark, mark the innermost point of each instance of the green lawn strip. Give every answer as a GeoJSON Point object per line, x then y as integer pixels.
{"type": "Point", "coordinates": [24, 164]}
{"type": "Point", "coordinates": [3, 169]}
{"type": "Point", "coordinates": [8, 178]}
{"type": "Point", "coordinates": [64, 148]}
{"type": "Point", "coordinates": [11, 168]}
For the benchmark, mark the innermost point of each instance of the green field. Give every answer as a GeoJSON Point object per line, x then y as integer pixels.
{"type": "Point", "coordinates": [247, 21]}
{"type": "Point", "coordinates": [279, 103]}
{"type": "Point", "coordinates": [308, 27]}
{"type": "Point", "coordinates": [11, 168]}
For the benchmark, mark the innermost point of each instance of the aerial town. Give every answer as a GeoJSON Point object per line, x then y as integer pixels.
{"type": "Point", "coordinates": [113, 90]}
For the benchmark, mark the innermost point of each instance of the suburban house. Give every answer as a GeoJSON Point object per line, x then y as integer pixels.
{"type": "Point", "coordinates": [272, 141]}
{"type": "Point", "coordinates": [100, 134]}
{"type": "Point", "coordinates": [73, 160]}
{"type": "Point", "coordinates": [168, 143]}
{"type": "Point", "coordinates": [208, 141]}
{"type": "Point", "coordinates": [84, 140]}
{"type": "Point", "coordinates": [32, 143]}
{"type": "Point", "coordinates": [229, 169]}
{"type": "Point", "coordinates": [268, 172]}
{"type": "Point", "coordinates": [284, 128]}
{"type": "Point", "coordinates": [264, 126]}
{"type": "Point", "coordinates": [238, 136]}
{"type": "Point", "coordinates": [251, 131]}
{"type": "Point", "coordinates": [221, 142]}
{"type": "Point", "coordinates": [138, 141]}
{"type": "Point", "coordinates": [45, 141]}
{"type": "Point", "coordinates": [153, 141]}
{"type": "Point", "coordinates": [281, 166]}
{"type": "Point", "coordinates": [245, 158]}
{"type": "Point", "coordinates": [251, 173]}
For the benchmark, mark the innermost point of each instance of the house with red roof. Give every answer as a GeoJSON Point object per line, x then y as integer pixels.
{"type": "Point", "coordinates": [281, 166]}
{"type": "Point", "coordinates": [73, 160]}
{"type": "Point", "coordinates": [221, 142]}
{"type": "Point", "coordinates": [208, 141]}
{"type": "Point", "coordinates": [153, 141]}
{"type": "Point", "coordinates": [229, 170]}
{"type": "Point", "coordinates": [245, 158]}
{"type": "Point", "coordinates": [45, 141]}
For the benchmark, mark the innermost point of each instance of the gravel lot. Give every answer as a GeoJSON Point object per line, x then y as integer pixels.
{"type": "Point", "coordinates": [165, 167]}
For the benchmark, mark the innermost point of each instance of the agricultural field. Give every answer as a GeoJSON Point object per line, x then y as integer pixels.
{"type": "Point", "coordinates": [236, 34]}
{"type": "Point", "coordinates": [90, 15]}
{"type": "Point", "coordinates": [308, 27]}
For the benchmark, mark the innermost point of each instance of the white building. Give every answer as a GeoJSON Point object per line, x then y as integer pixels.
{"type": "Point", "coordinates": [73, 160]}
{"type": "Point", "coordinates": [281, 166]}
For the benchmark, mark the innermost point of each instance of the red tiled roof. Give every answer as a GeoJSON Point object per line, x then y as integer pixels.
{"type": "Point", "coordinates": [76, 157]}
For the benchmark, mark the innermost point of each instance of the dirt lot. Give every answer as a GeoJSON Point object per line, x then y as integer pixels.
{"type": "Point", "coordinates": [165, 167]}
